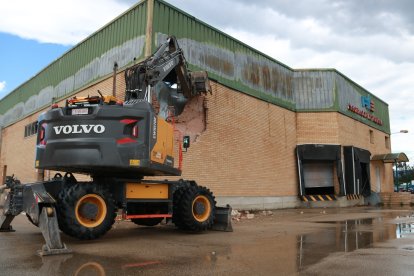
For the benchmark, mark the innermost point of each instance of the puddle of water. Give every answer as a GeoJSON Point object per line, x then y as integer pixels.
{"type": "Point", "coordinates": [279, 252]}
{"type": "Point", "coordinates": [347, 236]}
{"type": "Point", "coordinates": [288, 254]}
{"type": "Point", "coordinates": [404, 229]}
{"type": "Point", "coordinates": [90, 265]}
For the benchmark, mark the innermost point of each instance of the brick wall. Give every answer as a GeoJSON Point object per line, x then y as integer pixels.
{"type": "Point", "coordinates": [247, 148]}
{"type": "Point", "coordinates": [317, 128]}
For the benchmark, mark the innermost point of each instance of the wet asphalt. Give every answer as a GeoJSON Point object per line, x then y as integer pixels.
{"type": "Point", "coordinates": [346, 241]}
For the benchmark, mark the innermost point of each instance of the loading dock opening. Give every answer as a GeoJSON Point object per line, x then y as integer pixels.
{"type": "Point", "coordinates": [319, 169]}
{"type": "Point", "coordinates": [357, 171]}
{"type": "Point", "coordinates": [318, 177]}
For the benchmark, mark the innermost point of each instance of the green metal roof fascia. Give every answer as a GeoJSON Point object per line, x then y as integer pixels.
{"type": "Point", "coordinates": [342, 75]}
{"type": "Point", "coordinates": [222, 33]}
{"type": "Point", "coordinates": [70, 50]}
{"type": "Point", "coordinates": [247, 90]}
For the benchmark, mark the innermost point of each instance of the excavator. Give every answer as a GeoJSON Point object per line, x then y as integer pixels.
{"type": "Point", "coordinates": [120, 145]}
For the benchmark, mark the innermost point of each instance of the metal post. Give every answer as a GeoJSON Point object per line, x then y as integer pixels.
{"type": "Point", "coordinates": [396, 176]}
{"type": "Point", "coordinates": [114, 79]}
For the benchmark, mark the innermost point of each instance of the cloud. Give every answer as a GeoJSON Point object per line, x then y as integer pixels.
{"type": "Point", "coordinates": [321, 25]}
{"type": "Point", "coordinates": [64, 22]}
{"type": "Point", "coordinates": [2, 85]}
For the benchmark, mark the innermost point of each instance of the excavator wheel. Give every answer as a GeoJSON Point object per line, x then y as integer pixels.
{"type": "Point", "coordinates": [147, 221]}
{"type": "Point", "coordinates": [86, 210]}
{"type": "Point", "coordinates": [195, 208]}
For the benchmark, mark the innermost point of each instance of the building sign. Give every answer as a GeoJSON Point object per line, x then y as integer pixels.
{"type": "Point", "coordinates": [367, 103]}
{"type": "Point", "coordinates": [367, 106]}
{"type": "Point", "coordinates": [365, 114]}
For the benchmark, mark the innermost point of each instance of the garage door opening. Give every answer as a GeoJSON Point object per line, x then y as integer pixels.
{"type": "Point", "coordinates": [320, 170]}
{"type": "Point", "coordinates": [319, 177]}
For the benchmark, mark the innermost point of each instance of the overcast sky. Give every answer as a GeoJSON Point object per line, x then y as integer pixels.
{"type": "Point", "coordinates": [370, 41]}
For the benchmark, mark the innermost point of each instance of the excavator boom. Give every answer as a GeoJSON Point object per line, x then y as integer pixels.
{"type": "Point", "coordinates": [166, 64]}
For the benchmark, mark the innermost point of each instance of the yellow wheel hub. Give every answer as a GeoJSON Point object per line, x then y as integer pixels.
{"type": "Point", "coordinates": [90, 210]}
{"type": "Point", "coordinates": [201, 208]}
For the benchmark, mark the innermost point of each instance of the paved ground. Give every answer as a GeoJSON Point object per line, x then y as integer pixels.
{"type": "Point", "coordinates": [347, 241]}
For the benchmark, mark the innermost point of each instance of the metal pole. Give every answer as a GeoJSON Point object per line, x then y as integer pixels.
{"type": "Point", "coordinates": [396, 176]}
{"type": "Point", "coordinates": [114, 79]}
{"type": "Point", "coordinates": [405, 175]}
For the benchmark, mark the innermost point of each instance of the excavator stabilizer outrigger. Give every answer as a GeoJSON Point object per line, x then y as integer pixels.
{"type": "Point", "coordinates": [39, 206]}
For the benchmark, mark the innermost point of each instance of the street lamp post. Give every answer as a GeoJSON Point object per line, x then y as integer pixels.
{"type": "Point", "coordinates": [401, 131]}
{"type": "Point", "coordinates": [396, 176]}
{"type": "Point", "coordinates": [396, 164]}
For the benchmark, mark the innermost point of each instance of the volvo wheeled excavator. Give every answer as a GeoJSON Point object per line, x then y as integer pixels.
{"type": "Point", "coordinates": [119, 144]}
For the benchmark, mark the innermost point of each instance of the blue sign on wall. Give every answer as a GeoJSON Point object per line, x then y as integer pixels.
{"type": "Point", "coordinates": [367, 103]}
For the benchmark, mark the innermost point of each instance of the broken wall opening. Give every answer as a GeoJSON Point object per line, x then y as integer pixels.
{"type": "Point", "coordinates": [187, 115]}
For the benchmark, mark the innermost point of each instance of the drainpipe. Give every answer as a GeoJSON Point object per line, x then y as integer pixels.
{"type": "Point", "coordinates": [396, 176]}
{"type": "Point", "coordinates": [114, 79]}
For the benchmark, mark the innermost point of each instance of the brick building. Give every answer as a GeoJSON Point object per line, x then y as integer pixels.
{"type": "Point", "coordinates": [266, 135]}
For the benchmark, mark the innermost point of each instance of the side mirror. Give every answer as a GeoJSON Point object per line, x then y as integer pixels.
{"type": "Point", "coordinates": [186, 142]}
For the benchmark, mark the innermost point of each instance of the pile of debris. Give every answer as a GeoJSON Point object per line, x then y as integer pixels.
{"type": "Point", "coordinates": [245, 214]}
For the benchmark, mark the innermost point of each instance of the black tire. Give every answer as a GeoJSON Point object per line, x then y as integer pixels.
{"type": "Point", "coordinates": [177, 217]}
{"type": "Point", "coordinates": [195, 208]}
{"type": "Point", "coordinates": [147, 221]}
{"type": "Point", "coordinates": [85, 210]}
{"type": "Point", "coordinates": [178, 195]}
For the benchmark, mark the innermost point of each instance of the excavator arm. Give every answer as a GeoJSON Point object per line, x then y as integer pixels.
{"type": "Point", "coordinates": [166, 64]}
